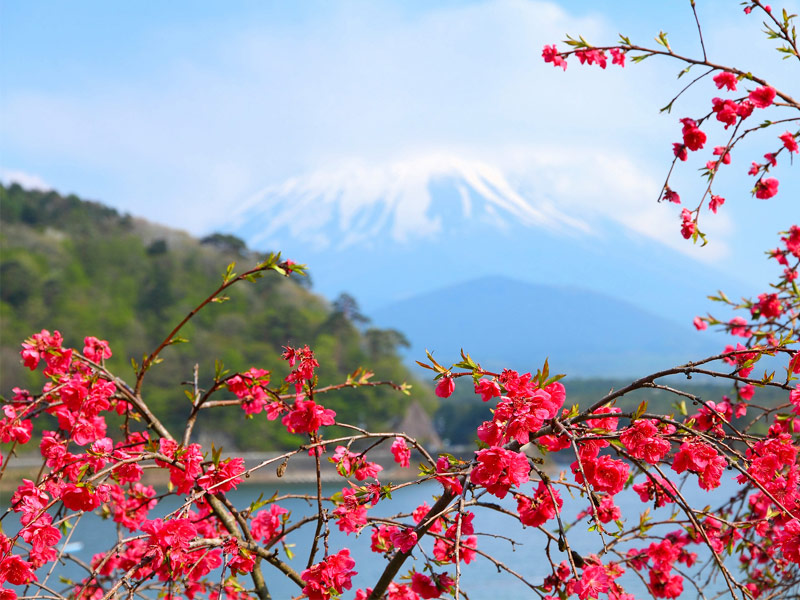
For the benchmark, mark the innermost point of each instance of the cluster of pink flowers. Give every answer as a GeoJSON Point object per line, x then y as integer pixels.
{"type": "Point", "coordinates": [603, 473]}
{"type": "Point", "coordinates": [306, 364]}
{"type": "Point", "coordinates": [306, 416]}
{"type": "Point", "coordinates": [644, 440]}
{"type": "Point", "coordinates": [702, 459]}
{"type": "Point", "coordinates": [543, 506]}
{"type": "Point", "coordinates": [78, 397]}
{"type": "Point", "coordinates": [498, 469]}
{"type": "Point", "coordinates": [251, 388]}
{"type": "Point", "coordinates": [712, 416]}
{"type": "Point", "coordinates": [351, 514]}
{"type": "Point", "coordinates": [350, 464]}
{"type": "Point", "coordinates": [184, 463]}
{"type": "Point", "coordinates": [523, 409]}
{"type": "Point", "coordinates": [728, 111]}
{"type": "Point", "coordinates": [655, 489]}
{"type": "Point", "coordinates": [330, 577]}
{"type": "Point", "coordinates": [444, 548]}
{"type": "Point", "coordinates": [268, 524]}
{"type": "Point", "coordinates": [222, 477]}
{"type": "Point", "coordinates": [588, 56]}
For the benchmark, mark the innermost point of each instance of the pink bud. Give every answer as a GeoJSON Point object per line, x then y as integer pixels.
{"type": "Point", "coordinates": [445, 387]}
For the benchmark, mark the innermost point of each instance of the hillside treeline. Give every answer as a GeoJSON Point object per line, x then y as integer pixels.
{"type": "Point", "coordinates": [84, 269]}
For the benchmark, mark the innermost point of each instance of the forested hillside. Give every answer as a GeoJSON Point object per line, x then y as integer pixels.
{"type": "Point", "coordinates": [84, 269]}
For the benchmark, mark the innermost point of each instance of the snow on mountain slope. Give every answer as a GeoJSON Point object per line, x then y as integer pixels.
{"type": "Point", "coordinates": [354, 203]}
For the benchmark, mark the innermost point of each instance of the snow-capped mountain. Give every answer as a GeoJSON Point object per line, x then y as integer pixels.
{"type": "Point", "coordinates": [356, 203]}
{"type": "Point", "coordinates": [386, 233]}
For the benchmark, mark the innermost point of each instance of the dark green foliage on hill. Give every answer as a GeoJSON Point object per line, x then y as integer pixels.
{"type": "Point", "coordinates": [84, 269]}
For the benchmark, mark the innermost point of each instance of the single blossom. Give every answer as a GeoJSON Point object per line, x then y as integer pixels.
{"type": "Point", "coordinates": [551, 55]}
{"type": "Point", "coordinates": [401, 452]}
{"type": "Point", "coordinates": [766, 188]}
{"type": "Point", "coordinates": [763, 96]}
{"type": "Point", "coordinates": [726, 79]}
{"type": "Point", "coordinates": [445, 387]}
{"type": "Point", "coordinates": [789, 142]}
{"type": "Point", "coordinates": [715, 202]}
{"type": "Point", "coordinates": [688, 226]}
{"type": "Point", "coordinates": [593, 582]}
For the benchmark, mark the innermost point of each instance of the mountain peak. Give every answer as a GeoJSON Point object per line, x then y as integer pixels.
{"type": "Point", "coordinates": [353, 202]}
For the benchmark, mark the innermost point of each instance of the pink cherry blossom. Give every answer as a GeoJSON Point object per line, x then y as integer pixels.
{"type": "Point", "coordinates": [445, 387]}
{"type": "Point", "coordinates": [766, 188]}
{"type": "Point", "coordinates": [789, 142]}
{"type": "Point", "coordinates": [726, 79]}
{"type": "Point", "coordinates": [551, 55]}
{"type": "Point", "coordinates": [763, 96]}
{"type": "Point", "coordinates": [401, 452]}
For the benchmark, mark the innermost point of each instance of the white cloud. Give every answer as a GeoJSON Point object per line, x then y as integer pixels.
{"type": "Point", "coordinates": [27, 180]}
{"type": "Point", "coordinates": [258, 104]}
{"type": "Point", "coordinates": [221, 112]}
{"type": "Point", "coordinates": [604, 185]}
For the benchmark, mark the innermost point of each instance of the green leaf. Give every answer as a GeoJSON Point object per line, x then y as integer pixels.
{"type": "Point", "coordinates": [640, 410]}
{"type": "Point", "coordinates": [259, 502]}
{"type": "Point", "coordinates": [252, 277]}
{"type": "Point", "coordinates": [219, 370]}
{"type": "Point", "coordinates": [554, 378]}
{"type": "Point", "coordinates": [216, 453]}
{"type": "Point", "coordinates": [466, 362]}
{"type": "Point", "coordinates": [229, 274]}
{"type": "Point", "coordinates": [662, 40]}
{"type": "Point", "coordinates": [436, 366]}
{"type": "Point", "coordinates": [288, 549]}
{"type": "Point", "coordinates": [681, 407]}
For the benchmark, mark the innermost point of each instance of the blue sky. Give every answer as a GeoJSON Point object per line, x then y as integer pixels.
{"type": "Point", "coordinates": [179, 112]}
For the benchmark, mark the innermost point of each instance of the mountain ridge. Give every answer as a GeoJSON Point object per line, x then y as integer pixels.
{"type": "Point", "coordinates": [503, 322]}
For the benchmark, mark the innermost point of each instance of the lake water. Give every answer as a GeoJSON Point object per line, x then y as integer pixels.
{"type": "Point", "coordinates": [480, 579]}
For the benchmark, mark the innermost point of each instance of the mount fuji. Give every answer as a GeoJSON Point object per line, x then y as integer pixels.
{"type": "Point", "coordinates": [357, 204]}
{"type": "Point", "coordinates": [392, 232]}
